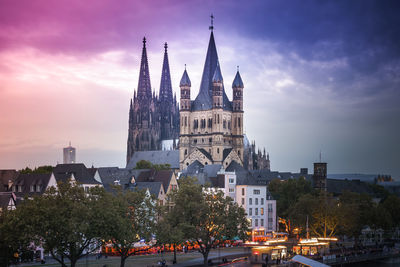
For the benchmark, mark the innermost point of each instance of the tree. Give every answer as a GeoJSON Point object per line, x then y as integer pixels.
{"type": "Point", "coordinates": [207, 217]}
{"type": "Point", "coordinates": [62, 221]}
{"type": "Point", "coordinates": [129, 217]}
{"type": "Point", "coordinates": [325, 216]}
{"type": "Point", "coordinates": [143, 164]}
{"type": "Point", "coordinates": [41, 169]}
{"type": "Point", "coordinates": [169, 229]}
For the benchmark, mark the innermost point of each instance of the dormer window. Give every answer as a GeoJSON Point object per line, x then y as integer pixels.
{"type": "Point", "coordinates": [117, 182]}
{"type": "Point", "coordinates": [32, 188]}
{"type": "Point", "coordinates": [38, 188]}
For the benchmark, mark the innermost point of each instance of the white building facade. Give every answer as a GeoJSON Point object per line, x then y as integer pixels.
{"type": "Point", "coordinates": [255, 199]}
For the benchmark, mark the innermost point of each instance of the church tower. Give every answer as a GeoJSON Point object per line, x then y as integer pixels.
{"type": "Point", "coordinates": [211, 125]}
{"type": "Point", "coordinates": [169, 111]}
{"type": "Point", "coordinates": [143, 133]}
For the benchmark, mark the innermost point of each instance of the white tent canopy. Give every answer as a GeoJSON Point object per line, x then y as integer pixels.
{"type": "Point", "coordinates": [308, 262]}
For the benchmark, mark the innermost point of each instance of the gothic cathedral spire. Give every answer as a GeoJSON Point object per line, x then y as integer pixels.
{"type": "Point", "coordinates": [165, 85]}
{"type": "Point", "coordinates": [144, 86]}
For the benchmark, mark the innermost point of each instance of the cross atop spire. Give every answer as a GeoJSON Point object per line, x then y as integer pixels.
{"type": "Point", "coordinates": [212, 22]}
{"type": "Point", "coordinates": [165, 47]}
{"type": "Point", "coordinates": [144, 40]}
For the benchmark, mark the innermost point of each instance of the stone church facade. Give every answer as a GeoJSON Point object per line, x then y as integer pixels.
{"type": "Point", "coordinates": [211, 126]}
{"type": "Point", "coordinates": [152, 118]}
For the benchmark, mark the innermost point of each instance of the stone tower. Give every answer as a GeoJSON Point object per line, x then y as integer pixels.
{"type": "Point", "coordinates": [152, 119]}
{"type": "Point", "coordinates": [211, 126]}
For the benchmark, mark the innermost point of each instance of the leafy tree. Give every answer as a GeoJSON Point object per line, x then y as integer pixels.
{"type": "Point", "coordinates": [392, 206]}
{"type": "Point", "coordinates": [355, 213]}
{"type": "Point", "coordinates": [129, 216]}
{"type": "Point", "coordinates": [325, 216]}
{"type": "Point", "coordinates": [169, 229]}
{"type": "Point", "coordinates": [40, 169]}
{"type": "Point", "coordinates": [62, 221]}
{"type": "Point", "coordinates": [207, 216]}
{"type": "Point", "coordinates": [287, 193]}
{"type": "Point", "coordinates": [143, 164]}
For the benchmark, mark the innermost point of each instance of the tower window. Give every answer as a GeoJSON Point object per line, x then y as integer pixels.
{"type": "Point", "coordinates": [185, 121]}
{"type": "Point", "coordinates": [185, 152]}
{"type": "Point", "coordinates": [239, 122]}
{"type": "Point", "coordinates": [218, 150]}
{"type": "Point", "coordinates": [224, 124]}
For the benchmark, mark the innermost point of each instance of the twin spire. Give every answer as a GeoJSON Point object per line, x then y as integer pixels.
{"type": "Point", "coordinates": [144, 85]}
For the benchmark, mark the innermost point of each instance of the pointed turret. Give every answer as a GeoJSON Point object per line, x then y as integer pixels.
{"type": "Point", "coordinates": [237, 82]}
{"type": "Point", "coordinates": [237, 91]}
{"type": "Point", "coordinates": [165, 85]}
{"type": "Point", "coordinates": [185, 81]}
{"type": "Point", "coordinates": [185, 85]}
{"type": "Point", "coordinates": [217, 77]}
{"type": "Point", "coordinates": [144, 86]}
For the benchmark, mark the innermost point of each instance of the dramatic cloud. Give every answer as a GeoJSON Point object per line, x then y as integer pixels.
{"type": "Point", "coordinates": [318, 76]}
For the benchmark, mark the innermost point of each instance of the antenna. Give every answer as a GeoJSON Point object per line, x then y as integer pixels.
{"type": "Point", "coordinates": [212, 23]}
{"type": "Point", "coordinates": [320, 156]}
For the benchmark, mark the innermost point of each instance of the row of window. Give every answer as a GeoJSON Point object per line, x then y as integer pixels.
{"type": "Point", "coordinates": [256, 211]}
{"type": "Point", "coordinates": [261, 223]}
{"type": "Point", "coordinates": [256, 201]}
{"type": "Point", "coordinates": [33, 188]}
{"type": "Point", "coordinates": [255, 191]}
{"type": "Point", "coordinates": [203, 124]}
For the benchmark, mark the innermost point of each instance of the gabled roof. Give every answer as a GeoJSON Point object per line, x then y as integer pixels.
{"type": "Point", "coordinates": [225, 153]}
{"type": "Point", "coordinates": [170, 157]}
{"type": "Point", "coordinates": [32, 179]}
{"type": "Point", "coordinates": [163, 176]}
{"type": "Point", "coordinates": [111, 174]}
{"type": "Point", "coordinates": [6, 176]}
{"type": "Point", "coordinates": [203, 100]}
{"type": "Point", "coordinates": [79, 170]}
{"type": "Point", "coordinates": [208, 155]}
{"type": "Point", "coordinates": [5, 198]}
{"type": "Point", "coordinates": [154, 187]}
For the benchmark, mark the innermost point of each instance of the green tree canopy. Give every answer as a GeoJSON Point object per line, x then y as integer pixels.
{"type": "Point", "coordinates": [208, 216]}
{"type": "Point", "coordinates": [128, 217]}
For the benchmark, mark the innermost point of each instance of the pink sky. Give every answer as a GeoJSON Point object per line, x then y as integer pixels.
{"type": "Point", "coordinates": [69, 68]}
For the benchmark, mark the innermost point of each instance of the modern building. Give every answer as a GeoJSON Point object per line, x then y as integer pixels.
{"type": "Point", "coordinates": [152, 119]}
{"type": "Point", "coordinates": [244, 189]}
{"type": "Point", "coordinates": [69, 154]}
{"type": "Point", "coordinates": [319, 177]}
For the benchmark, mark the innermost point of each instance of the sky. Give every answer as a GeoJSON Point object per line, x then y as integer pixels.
{"type": "Point", "coordinates": [318, 75]}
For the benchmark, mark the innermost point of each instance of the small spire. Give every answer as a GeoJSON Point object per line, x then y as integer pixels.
{"type": "Point", "coordinates": [237, 82]}
{"type": "Point", "coordinates": [165, 47]}
{"type": "Point", "coordinates": [237, 67]}
{"type": "Point", "coordinates": [144, 41]}
{"type": "Point", "coordinates": [217, 74]}
{"type": "Point", "coordinates": [69, 143]}
{"type": "Point", "coordinates": [212, 22]}
{"type": "Point", "coordinates": [185, 81]}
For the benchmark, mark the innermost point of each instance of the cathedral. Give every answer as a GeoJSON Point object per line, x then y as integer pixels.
{"type": "Point", "coordinates": [209, 128]}
{"type": "Point", "coordinates": [152, 119]}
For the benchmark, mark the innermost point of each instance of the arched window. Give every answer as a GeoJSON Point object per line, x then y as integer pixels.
{"type": "Point", "coordinates": [185, 121]}
{"type": "Point", "coordinates": [185, 152]}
